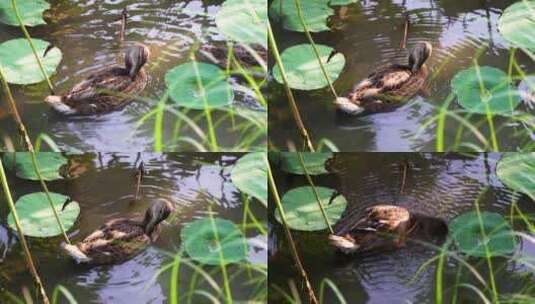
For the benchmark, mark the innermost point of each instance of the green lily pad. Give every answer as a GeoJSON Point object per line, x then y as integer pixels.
{"type": "Point", "coordinates": [183, 84]}
{"type": "Point", "coordinates": [31, 12]}
{"type": "Point", "coordinates": [199, 239]}
{"type": "Point", "coordinates": [517, 24]}
{"type": "Point", "coordinates": [243, 21]}
{"type": "Point", "coordinates": [498, 92]}
{"type": "Point", "coordinates": [302, 210]}
{"type": "Point", "coordinates": [303, 69]}
{"type": "Point", "coordinates": [467, 233]}
{"type": "Point", "coordinates": [314, 162]}
{"type": "Point", "coordinates": [517, 171]}
{"type": "Point", "coordinates": [50, 164]}
{"type": "Point", "coordinates": [342, 2]}
{"type": "Point", "coordinates": [315, 13]}
{"type": "Point", "coordinates": [250, 175]}
{"type": "Point", "coordinates": [18, 62]}
{"type": "Point", "coordinates": [36, 216]}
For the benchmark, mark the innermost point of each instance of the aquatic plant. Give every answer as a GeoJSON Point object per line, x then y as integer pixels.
{"type": "Point", "coordinates": [516, 24]}
{"type": "Point", "coordinates": [250, 175]}
{"type": "Point", "coordinates": [50, 164]}
{"type": "Point", "coordinates": [30, 11]}
{"type": "Point", "coordinates": [243, 21]}
{"type": "Point", "coordinates": [314, 162]}
{"type": "Point", "coordinates": [517, 171]}
{"type": "Point", "coordinates": [38, 220]}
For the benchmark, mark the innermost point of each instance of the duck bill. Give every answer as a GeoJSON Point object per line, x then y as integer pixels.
{"type": "Point", "coordinates": [343, 244]}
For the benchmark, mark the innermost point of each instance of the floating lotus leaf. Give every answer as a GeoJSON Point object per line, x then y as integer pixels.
{"type": "Point", "coordinates": [37, 218]}
{"type": "Point", "coordinates": [303, 69]}
{"type": "Point", "coordinates": [517, 171]}
{"type": "Point", "coordinates": [244, 21]}
{"type": "Point", "coordinates": [467, 233]}
{"type": "Point", "coordinates": [187, 82]}
{"type": "Point", "coordinates": [498, 93]}
{"type": "Point", "coordinates": [314, 162]}
{"type": "Point", "coordinates": [50, 164]}
{"type": "Point", "coordinates": [341, 2]}
{"type": "Point", "coordinates": [315, 13]}
{"type": "Point", "coordinates": [526, 89]}
{"type": "Point", "coordinates": [18, 62]}
{"type": "Point", "coordinates": [302, 210]}
{"type": "Point", "coordinates": [31, 12]}
{"type": "Point", "coordinates": [517, 24]}
{"type": "Point", "coordinates": [200, 240]}
{"type": "Point", "coordinates": [250, 175]}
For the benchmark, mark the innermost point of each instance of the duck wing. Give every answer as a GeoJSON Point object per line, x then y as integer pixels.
{"type": "Point", "coordinates": [115, 79]}
{"type": "Point", "coordinates": [390, 77]}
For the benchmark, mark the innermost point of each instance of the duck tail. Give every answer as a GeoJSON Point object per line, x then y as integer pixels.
{"type": "Point", "coordinates": [75, 253]}
{"type": "Point", "coordinates": [345, 105]}
{"type": "Point", "coordinates": [56, 102]}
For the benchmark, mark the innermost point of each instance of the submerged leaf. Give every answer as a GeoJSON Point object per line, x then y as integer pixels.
{"type": "Point", "coordinates": [315, 13]}
{"type": "Point", "coordinates": [19, 64]}
{"type": "Point", "coordinates": [517, 24]}
{"type": "Point", "coordinates": [31, 12]}
{"type": "Point", "coordinates": [50, 164]}
{"type": "Point", "coordinates": [303, 69]}
{"type": "Point", "coordinates": [303, 213]}
{"type": "Point", "coordinates": [250, 175]}
{"type": "Point", "coordinates": [187, 83]}
{"type": "Point", "coordinates": [314, 162]}
{"type": "Point", "coordinates": [244, 21]}
{"type": "Point", "coordinates": [477, 87]}
{"type": "Point", "coordinates": [37, 218]}
{"type": "Point", "coordinates": [205, 243]}
{"type": "Point", "coordinates": [517, 171]}
{"type": "Point", "coordinates": [471, 239]}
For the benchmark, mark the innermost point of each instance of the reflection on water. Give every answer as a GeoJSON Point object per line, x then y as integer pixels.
{"type": "Point", "coordinates": [440, 185]}
{"type": "Point", "coordinates": [368, 33]}
{"type": "Point", "coordinates": [87, 32]}
{"type": "Point", "coordinates": [191, 181]}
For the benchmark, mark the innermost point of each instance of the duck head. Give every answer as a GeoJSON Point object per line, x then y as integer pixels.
{"type": "Point", "coordinates": [158, 212]}
{"type": "Point", "coordinates": [419, 55]}
{"type": "Point", "coordinates": [135, 58]}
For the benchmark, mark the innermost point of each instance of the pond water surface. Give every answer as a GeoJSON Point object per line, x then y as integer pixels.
{"type": "Point", "coordinates": [106, 191]}
{"type": "Point", "coordinates": [369, 33]}
{"type": "Point", "coordinates": [87, 33]}
{"type": "Point", "coordinates": [439, 185]}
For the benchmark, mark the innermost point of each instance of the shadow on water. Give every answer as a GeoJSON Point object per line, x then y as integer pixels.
{"type": "Point", "coordinates": [437, 185]}
{"type": "Point", "coordinates": [192, 181]}
{"type": "Point", "coordinates": [368, 33]}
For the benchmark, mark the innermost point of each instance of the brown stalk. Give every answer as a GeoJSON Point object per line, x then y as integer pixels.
{"type": "Point", "coordinates": [403, 43]}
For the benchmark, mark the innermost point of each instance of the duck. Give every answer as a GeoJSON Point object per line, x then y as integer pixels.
{"type": "Point", "coordinates": [106, 90]}
{"type": "Point", "coordinates": [386, 226]}
{"type": "Point", "coordinates": [387, 88]}
{"type": "Point", "coordinates": [121, 238]}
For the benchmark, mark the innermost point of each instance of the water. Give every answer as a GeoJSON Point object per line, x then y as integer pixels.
{"type": "Point", "coordinates": [441, 185]}
{"type": "Point", "coordinates": [106, 191]}
{"type": "Point", "coordinates": [368, 33]}
{"type": "Point", "coordinates": [87, 33]}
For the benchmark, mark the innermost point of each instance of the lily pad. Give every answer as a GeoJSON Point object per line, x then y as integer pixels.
{"type": "Point", "coordinates": [342, 2]}
{"type": "Point", "coordinates": [517, 24]}
{"type": "Point", "coordinates": [50, 164]}
{"type": "Point", "coordinates": [315, 13]}
{"type": "Point", "coordinates": [468, 235]}
{"type": "Point", "coordinates": [31, 12]}
{"type": "Point", "coordinates": [199, 239]}
{"type": "Point", "coordinates": [497, 92]}
{"type": "Point", "coordinates": [187, 82]}
{"type": "Point", "coordinates": [314, 162]}
{"type": "Point", "coordinates": [517, 171]}
{"type": "Point", "coordinates": [36, 216]}
{"type": "Point", "coordinates": [250, 175]}
{"type": "Point", "coordinates": [302, 210]}
{"type": "Point", "coordinates": [303, 69]}
{"type": "Point", "coordinates": [18, 62]}
{"type": "Point", "coordinates": [244, 21]}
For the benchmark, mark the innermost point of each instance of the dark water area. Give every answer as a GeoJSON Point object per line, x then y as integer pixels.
{"type": "Point", "coordinates": [368, 34]}
{"type": "Point", "coordinates": [191, 181]}
{"type": "Point", "coordinates": [438, 185]}
{"type": "Point", "coordinates": [87, 34]}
